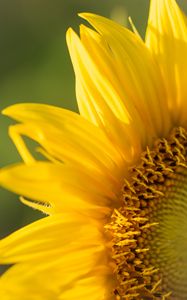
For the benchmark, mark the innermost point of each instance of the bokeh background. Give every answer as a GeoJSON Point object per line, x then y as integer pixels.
{"type": "Point", "coordinates": [35, 67]}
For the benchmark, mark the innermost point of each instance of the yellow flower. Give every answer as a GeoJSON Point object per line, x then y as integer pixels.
{"type": "Point", "coordinates": [114, 178]}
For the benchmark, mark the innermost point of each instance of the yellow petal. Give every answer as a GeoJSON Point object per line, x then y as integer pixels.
{"type": "Point", "coordinates": [92, 288]}
{"type": "Point", "coordinates": [66, 136]}
{"type": "Point", "coordinates": [40, 240]}
{"type": "Point", "coordinates": [59, 186]}
{"type": "Point", "coordinates": [51, 281]}
{"type": "Point", "coordinates": [95, 88]}
{"type": "Point", "coordinates": [54, 257]}
{"type": "Point", "coordinates": [121, 75]}
{"type": "Point", "coordinates": [166, 37]}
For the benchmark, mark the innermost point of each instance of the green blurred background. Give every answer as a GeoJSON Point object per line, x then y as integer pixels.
{"type": "Point", "coordinates": [35, 67]}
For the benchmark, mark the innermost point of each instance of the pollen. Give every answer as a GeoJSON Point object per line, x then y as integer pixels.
{"type": "Point", "coordinates": [149, 249]}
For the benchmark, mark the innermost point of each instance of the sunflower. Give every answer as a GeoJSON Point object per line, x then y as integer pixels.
{"type": "Point", "coordinates": [113, 179]}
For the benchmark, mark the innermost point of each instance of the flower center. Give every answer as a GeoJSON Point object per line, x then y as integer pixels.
{"type": "Point", "coordinates": [149, 231]}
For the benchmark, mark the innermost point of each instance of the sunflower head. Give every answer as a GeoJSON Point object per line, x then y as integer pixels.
{"type": "Point", "coordinates": [113, 181]}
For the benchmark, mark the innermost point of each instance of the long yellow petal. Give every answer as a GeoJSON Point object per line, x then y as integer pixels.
{"type": "Point", "coordinates": [59, 186]}
{"type": "Point", "coordinates": [95, 290]}
{"type": "Point", "coordinates": [95, 88]}
{"type": "Point", "coordinates": [40, 240]}
{"type": "Point", "coordinates": [56, 258]}
{"type": "Point", "coordinates": [166, 37]}
{"type": "Point", "coordinates": [138, 97]}
{"type": "Point", "coordinates": [36, 281]}
{"type": "Point", "coordinates": [66, 136]}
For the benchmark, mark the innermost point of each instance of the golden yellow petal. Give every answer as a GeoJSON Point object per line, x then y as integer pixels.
{"type": "Point", "coordinates": [28, 281]}
{"type": "Point", "coordinates": [40, 240]}
{"type": "Point", "coordinates": [19, 282]}
{"type": "Point", "coordinates": [166, 37]}
{"type": "Point", "coordinates": [58, 185]}
{"type": "Point", "coordinates": [94, 88]}
{"type": "Point", "coordinates": [123, 66]}
{"type": "Point", "coordinates": [49, 266]}
{"type": "Point", "coordinates": [66, 136]}
{"type": "Point", "coordinates": [93, 288]}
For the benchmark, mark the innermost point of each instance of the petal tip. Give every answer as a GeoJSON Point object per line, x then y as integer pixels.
{"type": "Point", "coordinates": [86, 15]}
{"type": "Point", "coordinates": [5, 111]}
